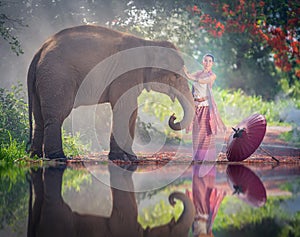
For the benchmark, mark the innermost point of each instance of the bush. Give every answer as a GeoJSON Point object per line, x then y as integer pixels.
{"type": "Point", "coordinates": [233, 105]}
{"type": "Point", "coordinates": [11, 151]}
{"type": "Point", "coordinates": [14, 126]}
{"type": "Point", "coordinates": [13, 110]}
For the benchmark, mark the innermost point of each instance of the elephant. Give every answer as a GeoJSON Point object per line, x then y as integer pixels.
{"type": "Point", "coordinates": [61, 66]}
{"type": "Point", "coordinates": [51, 216]}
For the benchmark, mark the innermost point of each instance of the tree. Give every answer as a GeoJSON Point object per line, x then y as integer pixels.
{"type": "Point", "coordinates": [256, 43]}
{"type": "Point", "coordinates": [7, 26]}
{"type": "Point", "coordinates": [272, 28]}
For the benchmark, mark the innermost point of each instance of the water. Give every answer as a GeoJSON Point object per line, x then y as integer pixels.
{"type": "Point", "coordinates": [101, 199]}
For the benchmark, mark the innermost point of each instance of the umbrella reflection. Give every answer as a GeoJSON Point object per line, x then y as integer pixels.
{"type": "Point", "coordinates": [246, 185]}
{"type": "Point", "coordinates": [207, 197]}
{"type": "Point", "coordinates": [50, 215]}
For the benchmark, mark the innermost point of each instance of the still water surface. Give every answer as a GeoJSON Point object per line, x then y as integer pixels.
{"type": "Point", "coordinates": [101, 199]}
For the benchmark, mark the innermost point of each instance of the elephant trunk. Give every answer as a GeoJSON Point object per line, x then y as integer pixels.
{"type": "Point", "coordinates": [187, 102]}
{"type": "Point", "coordinates": [177, 228]}
{"type": "Point", "coordinates": [185, 221]}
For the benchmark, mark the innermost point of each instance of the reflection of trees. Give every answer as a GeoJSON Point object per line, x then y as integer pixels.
{"type": "Point", "coordinates": [273, 219]}
{"type": "Point", "coordinates": [161, 212]}
{"type": "Point", "coordinates": [236, 218]}
{"type": "Point", "coordinates": [13, 198]}
{"type": "Point", "coordinates": [293, 187]}
{"type": "Point", "coordinates": [14, 194]}
{"type": "Point", "coordinates": [270, 220]}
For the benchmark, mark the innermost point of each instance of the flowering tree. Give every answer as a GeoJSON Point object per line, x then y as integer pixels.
{"type": "Point", "coordinates": [270, 24]}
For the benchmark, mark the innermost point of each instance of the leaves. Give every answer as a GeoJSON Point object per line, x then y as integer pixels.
{"type": "Point", "coordinates": [13, 110]}
{"type": "Point", "coordinates": [7, 26]}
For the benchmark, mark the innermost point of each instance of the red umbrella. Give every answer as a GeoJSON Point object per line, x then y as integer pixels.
{"type": "Point", "coordinates": [246, 185]}
{"type": "Point", "coordinates": [246, 137]}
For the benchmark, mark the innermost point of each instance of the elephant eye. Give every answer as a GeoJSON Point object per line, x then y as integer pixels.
{"type": "Point", "coordinates": [177, 76]}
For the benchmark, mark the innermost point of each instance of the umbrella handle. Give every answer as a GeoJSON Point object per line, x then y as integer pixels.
{"type": "Point", "coordinates": [268, 153]}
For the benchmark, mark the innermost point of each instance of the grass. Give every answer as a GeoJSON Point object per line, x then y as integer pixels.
{"type": "Point", "coordinates": [234, 106]}
{"type": "Point", "coordinates": [292, 137]}
{"type": "Point", "coordinates": [12, 151]}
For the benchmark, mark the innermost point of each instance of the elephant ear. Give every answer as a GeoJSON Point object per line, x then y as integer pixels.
{"type": "Point", "coordinates": [156, 75]}
{"type": "Point", "coordinates": [173, 57]}
{"type": "Point", "coordinates": [129, 42]}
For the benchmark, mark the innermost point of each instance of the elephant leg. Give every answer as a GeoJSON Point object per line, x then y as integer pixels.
{"type": "Point", "coordinates": [57, 218]}
{"type": "Point", "coordinates": [54, 112]}
{"type": "Point", "coordinates": [124, 212]}
{"type": "Point", "coordinates": [38, 132]}
{"type": "Point", "coordinates": [34, 214]}
{"type": "Point", "coordinates": [52, 138]}
{"type": "Point", "coordinates": [123, 133]}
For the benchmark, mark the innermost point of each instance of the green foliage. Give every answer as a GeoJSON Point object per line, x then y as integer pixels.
{"type": "Point", "coordinates": [9, 152]}
{"type": "Point", "coordinates": [233, 105]}
{"type": "Point", "coordinates": [73, 145]}
{"type": "Point", "coordinates": [261, 221]}
{"type": "Point", "coordinates": [6, 28]}
{"type": "Point", "coordinates": [159, 214]}
{"type": "Point", "coordinates": [234, 217]}
{"type": "Point", "coordinates": [292, 186]}
{"type": "Point", "coordinates": [292, 136]}
{"type": "Point", "coordinates": [242, 59]}
{"type": "Point", "coordinates": [160, 107]}
{"type": "Point", "coordinates": [14, 127]}
{"type": "Point", "coordinates": [73, 179]}
{"type": "Point", "coordinates": [13, 124]}
{"type": "Point", "coordinates": [13, 110]}
{"type": "Point", "coordinates": [14, 197]}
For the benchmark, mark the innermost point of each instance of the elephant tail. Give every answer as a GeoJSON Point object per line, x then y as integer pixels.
{"type": "Point", "coordinates": [31, 77]}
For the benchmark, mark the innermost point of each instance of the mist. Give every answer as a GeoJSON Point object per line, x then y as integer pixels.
{"type": "Point", "coordinates": [40, 21]}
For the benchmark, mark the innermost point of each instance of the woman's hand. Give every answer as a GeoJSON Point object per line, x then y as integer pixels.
{"type": "Point", "coordinates": [203, 77]}
{"type": "Point", "coordinates": [187, 74]}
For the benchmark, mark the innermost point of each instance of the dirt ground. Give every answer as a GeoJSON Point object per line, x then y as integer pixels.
{"type": "Point", "coordinates": [272, 150]}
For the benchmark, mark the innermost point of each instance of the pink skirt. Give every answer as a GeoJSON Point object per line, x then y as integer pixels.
{"type": "Point", "coordinates": [203, 136]}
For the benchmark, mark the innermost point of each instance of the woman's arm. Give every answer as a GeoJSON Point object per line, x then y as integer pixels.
{"type": "Point", "coordinates": [202, 79]}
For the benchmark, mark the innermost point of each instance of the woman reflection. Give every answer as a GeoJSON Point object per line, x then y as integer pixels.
{"type": "Point", "coordinates": [206, 199]}
{"type": "Point", "coordinates": [207, 121]}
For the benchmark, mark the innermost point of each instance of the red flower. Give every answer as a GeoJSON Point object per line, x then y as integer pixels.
{"type": "Point", "coordinates": [293, 21]}
{"type": "Point", "coordinates": [196, 9]}
{"type": "Point", "coordinates": [295, 47]}
{"type": "Point", "coordinates": [225, 8]}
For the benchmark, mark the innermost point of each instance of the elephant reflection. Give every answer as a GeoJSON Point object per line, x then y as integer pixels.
{"type": "Point", "coordinates": [51, 216]}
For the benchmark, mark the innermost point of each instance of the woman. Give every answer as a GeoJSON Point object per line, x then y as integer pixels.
{"type": "Point", "coordinates": [207, 121]}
